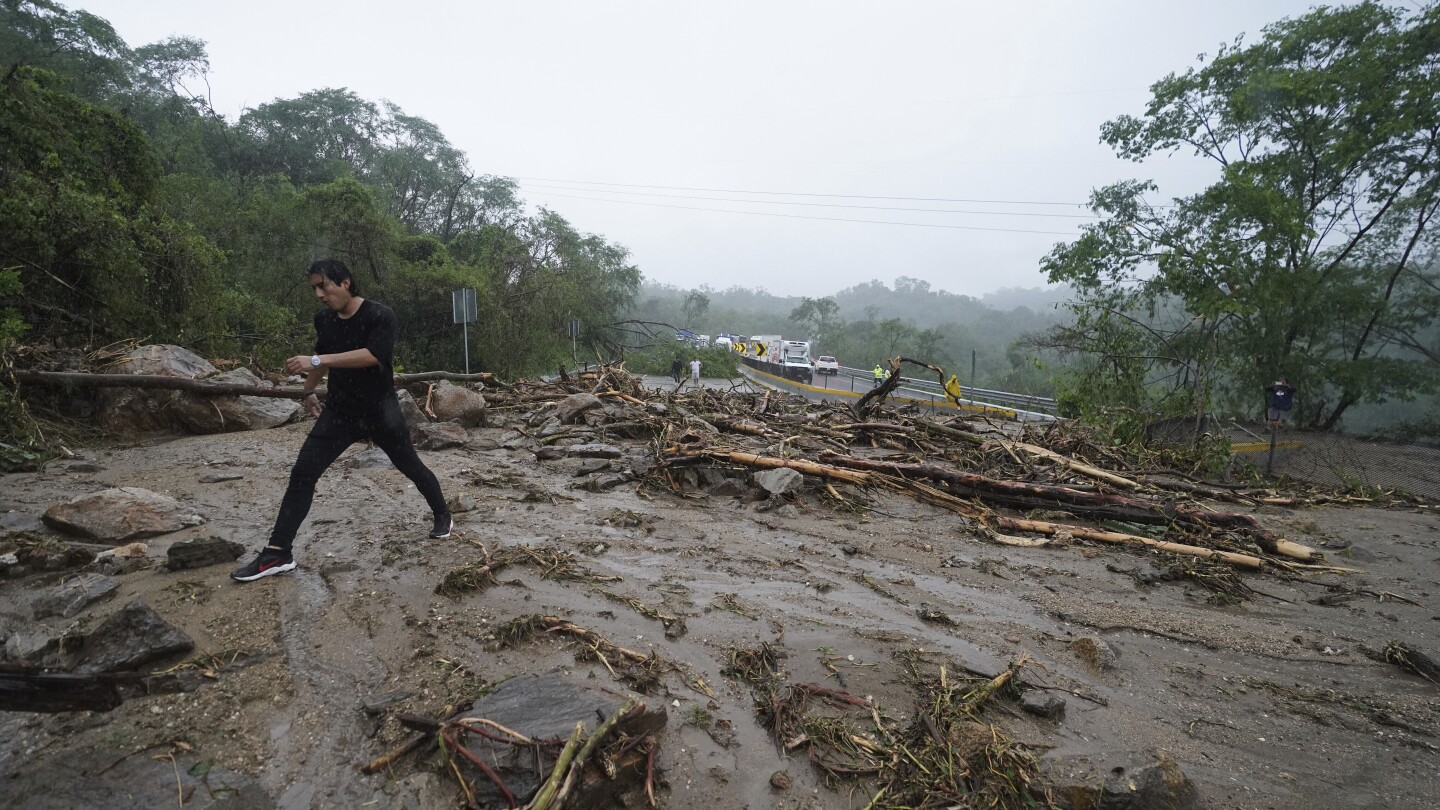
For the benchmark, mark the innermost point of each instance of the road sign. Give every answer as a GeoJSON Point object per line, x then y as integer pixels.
{"type": "Point", "coordinates": [462, 305]}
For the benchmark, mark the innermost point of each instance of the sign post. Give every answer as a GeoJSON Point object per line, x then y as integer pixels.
{"type": "Point", "coordinates": [573, 329]}
{"type": "Point", "coordinates": [462, 307]}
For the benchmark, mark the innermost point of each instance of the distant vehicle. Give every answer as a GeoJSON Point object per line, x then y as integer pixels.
{"type": "Point", "coordinates": [703, 341]}
{"type": "Point", "coordinates": [722, 342]}
{"type": "Point", "coordinates": [825, 364]}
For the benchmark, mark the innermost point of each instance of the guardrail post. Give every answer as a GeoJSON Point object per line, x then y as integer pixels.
{"type": "Point", "coordinates": [1270, 461]}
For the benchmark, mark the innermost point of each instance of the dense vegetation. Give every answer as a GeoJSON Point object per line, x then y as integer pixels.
{"type": "Point", "coordinates": [1314, 253]}
{"type": "Point", "coordinates": [132, 210]}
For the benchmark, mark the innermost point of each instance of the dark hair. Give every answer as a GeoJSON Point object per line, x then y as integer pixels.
{"type": "Point", "coordinates": [336, 271]}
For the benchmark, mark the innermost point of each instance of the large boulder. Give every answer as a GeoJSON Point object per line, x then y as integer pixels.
{"type": "Point", "coordinates": [147, 410]}
{"type": "Point", "coordinates": [439, 435]}
{"type": "Point", "coordinates": [121, 514]}
{"type": "Point", "coordinates": [202, 414]}
{"type": "Point", "coordinates": [144, 410]}
{"type": "Point", "coordinates": [570, 408]}
{"type": "Point", "coordinates": [453, 403]}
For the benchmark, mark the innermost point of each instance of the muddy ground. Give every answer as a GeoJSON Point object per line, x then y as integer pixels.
{"type": "Point", "coordinates": [1267, 703]}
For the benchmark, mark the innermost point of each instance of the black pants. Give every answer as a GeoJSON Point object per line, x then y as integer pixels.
{"type": "Point", "coordinates": [329, 438]}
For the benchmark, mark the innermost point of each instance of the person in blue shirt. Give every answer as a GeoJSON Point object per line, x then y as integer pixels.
{"type": "Point", "coordinates": [1281, 401]}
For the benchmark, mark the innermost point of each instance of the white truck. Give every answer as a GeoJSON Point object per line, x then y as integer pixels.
{"type": "Point", "coordinates": [795, 353]}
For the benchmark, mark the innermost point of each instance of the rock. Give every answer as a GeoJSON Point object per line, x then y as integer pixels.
{"type": "Point", "coordinates": [592, 465]}
{"type": "Point", "coordinates": [641, 464]}
{"type": "Point", "coordinates": [74, 595]}
{"type": "Point", "coordinates": [548, 707]}
{"type": "Point", "coordinates": [121, 559]}
{"type": "Point", "coordinates": [120, 514]}
{"type": "Point", "coordinates": [593, 450]}
{"type": "Point", "coordinates": [1043, 704]}
{"type": "Point", "coordinates": [1158, 784]}
{"type": "Point", "coordinates": [136, 782]}
{"type": "Point", "coordinates": [453, 403]}
{"type": "Point", "coordinates": [199, 552]}
{"type": "Point", "coordinates": [729, 488]}
{"type": "Point", "coordinates": [569, 409]}
{"type": "Point", "coordinates": [208, 414]}
{"type": "Point", "coordinates": [439, 435]}
{"type": "Point", "coordinates": [136, 635]}
{"type": "Point", "coordinates": [128, 411]}
{"type": "Point", "coordinates": [1094, 651]}
{"type": "Point", "coordinates": [139, 410]}
{"type": "Point", "coordinates": [515, 440]}
{"type": "Point", "coordinates": [372, 459]}
{"type": "Point", "coordinates": [780, 780]}
{"type": "Point", "coordinates": [9, 560]}
{"type": "Point", "coordinates": [656, 408]}
{"type": "Point", "coordinates": [220, 478]}
{"type": "Point", "coordinates": [482, 444]}
{"type": "Point", "coordinates": [84, 467]}
{"type": "Point", "coordinates": [13, 523]}
{"type": "Point", "coordinates": [778, 481]}
{"type": "Point", "coordinates": [549, 453]}
{"type": "Point", "coordinates": [603, 483]}
{"type": "Point", "coordinates": [460, 504]}
{"type": "Point", "coordinates": [787, 511]}
{"type": "Point", "coordinates": [28, 644]}
{"type": "Point", "coordinates": [410, 411]}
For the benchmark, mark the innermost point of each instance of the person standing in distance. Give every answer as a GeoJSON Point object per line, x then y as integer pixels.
{"type": "Point", "coordinates": [1281, 400]}
{"type": "Point", "coordinates": [695, 371]}
{"type": "Point", "coordinates": [355, 344]}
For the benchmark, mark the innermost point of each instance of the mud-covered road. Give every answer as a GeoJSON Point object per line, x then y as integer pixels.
{"type": "Point", "coordinates": [1265, 703]}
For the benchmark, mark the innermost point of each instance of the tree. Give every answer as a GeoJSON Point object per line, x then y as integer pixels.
{"type": "Point", "coordinates": [1313, 247]}
{"type": "Point", "coordinates": [819, 316]}
{"type": "Point", "coordinates": [695, 306]}
{"type": "Point", "coordinates": [80, 219]}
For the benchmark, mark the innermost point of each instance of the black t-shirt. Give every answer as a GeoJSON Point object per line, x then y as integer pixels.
{"type": "Point", "coordinates": [358, 391]}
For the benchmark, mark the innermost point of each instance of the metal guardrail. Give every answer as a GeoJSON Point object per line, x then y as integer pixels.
{"type": "Point", "coordinates": [1021, 402]}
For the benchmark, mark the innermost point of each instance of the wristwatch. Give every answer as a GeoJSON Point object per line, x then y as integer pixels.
{"type": "Point", "coordinates": [315, 360]}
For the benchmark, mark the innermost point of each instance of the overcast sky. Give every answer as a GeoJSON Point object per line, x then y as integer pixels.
{"type": "Point", "coordinates": [650, 123]}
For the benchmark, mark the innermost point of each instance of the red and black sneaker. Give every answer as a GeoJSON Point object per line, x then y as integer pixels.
{"type": "Point", "coordinates": [269, 561]}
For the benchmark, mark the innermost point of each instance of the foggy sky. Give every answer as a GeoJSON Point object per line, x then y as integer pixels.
{"type": "Point", "coordinates": [994, 102]}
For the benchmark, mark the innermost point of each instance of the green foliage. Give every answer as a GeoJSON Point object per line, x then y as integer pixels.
{"type": "Point", "coordinates": [1312, 253]}
{"type": "Point", "coordinates": [655, 360]}
{"type": "Point", "coordinates": [80, 221]}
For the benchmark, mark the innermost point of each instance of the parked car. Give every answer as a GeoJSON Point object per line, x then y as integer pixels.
{"type": "Point", "coordinates": [825, 364]}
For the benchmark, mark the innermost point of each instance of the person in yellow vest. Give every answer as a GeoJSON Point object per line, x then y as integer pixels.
{"type": "Point", "coordinates": [879, 375]}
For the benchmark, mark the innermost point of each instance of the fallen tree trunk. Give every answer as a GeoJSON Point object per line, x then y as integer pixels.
{"type": "Point", "coordinates": [57, 692]}
{"type": "Point", "coordinates": [1022, 495]}
{"type": "Point", "coordinates": [81, 379]}
{"type": "Point", "coordinates": [84, 379]}
{"type": "Point", "coordinates": [769, 462]}
{"type": "Point", "coordinates": [1080, 467]}
{"type": "Point", "coordinates": [1100, 535]}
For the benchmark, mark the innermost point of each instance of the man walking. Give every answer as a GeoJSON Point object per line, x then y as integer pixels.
{"type": "Point", "coordinates": [879, 375]}
{"type": "Point", "coordinates": [676, 368]}
{"type": "Point", "coordinates": [695, 371]}
{"type": "Point", "coordinates": [355, 342]}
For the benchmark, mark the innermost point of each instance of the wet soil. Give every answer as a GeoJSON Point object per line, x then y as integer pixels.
{"type": "Point", "coordinates": [1267, 703]}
